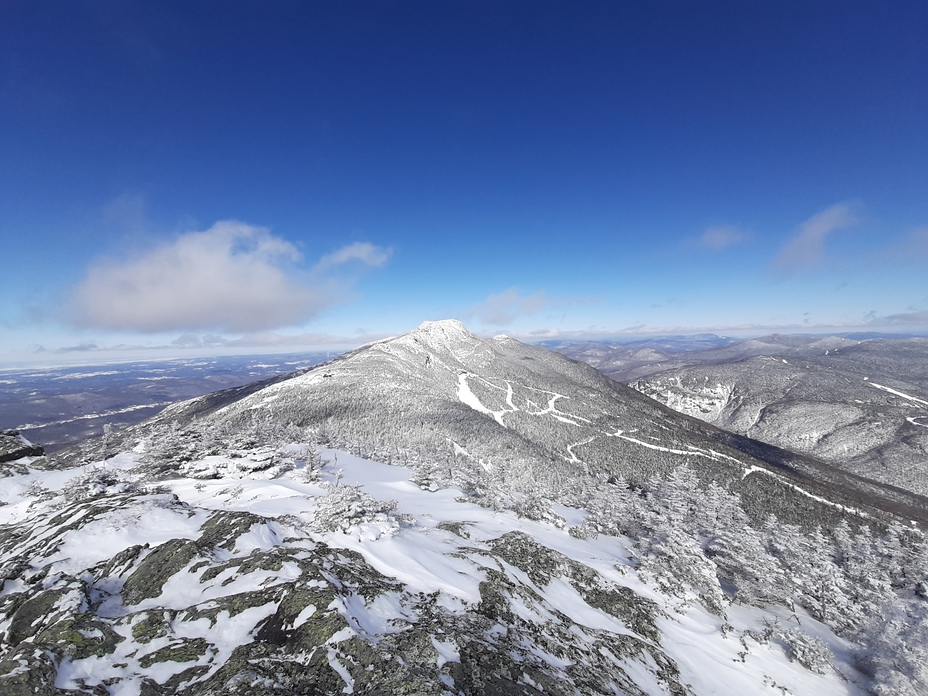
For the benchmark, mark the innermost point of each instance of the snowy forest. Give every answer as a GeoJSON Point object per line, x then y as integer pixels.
{"type": "Point", "coordinates": [866, 579]}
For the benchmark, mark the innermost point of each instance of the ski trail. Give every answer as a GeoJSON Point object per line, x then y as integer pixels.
{"type": "Point", "coordinates": [899, 394]}
{"type": "Point", "coordinates": [711, 455]}
{"type": "Point", "coordinates": [570, 450]}
{"type": "Point", "coordinates": [843, 508]}
{"type": "Point", "coordinates": [509, 396]}
{"type": "Point", "coordinates": [552, 410]}
{"type": "Point", "coordinates": [659, 447]}
{"type": "Point", "coordinates": [468, 398]}
{"type": "Point", "coordinates": [750, 470]}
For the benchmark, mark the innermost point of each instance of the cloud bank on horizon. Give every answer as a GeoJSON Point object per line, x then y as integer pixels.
{"type": "Point", "coordinates": [240, 279]}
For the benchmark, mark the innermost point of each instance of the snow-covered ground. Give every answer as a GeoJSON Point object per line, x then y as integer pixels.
{"type": "Point", "coordinates": [430, 542]}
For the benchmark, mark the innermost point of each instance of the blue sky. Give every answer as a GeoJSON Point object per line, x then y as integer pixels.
{"type": "Point", "coordinates": [244, 176]}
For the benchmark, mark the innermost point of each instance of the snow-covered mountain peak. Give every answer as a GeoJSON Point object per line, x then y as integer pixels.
{"type": "Point", "coordinates": [445, 335]}
{"type": "Point", "coordinates": [435, 392]}
{"type": "Point", "coordinates": [443, 328]}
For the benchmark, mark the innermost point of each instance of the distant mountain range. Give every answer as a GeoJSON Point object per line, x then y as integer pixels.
{"type": "Point", "coordinates": [861, 405]}
{"type": "Point", "coordinates": [626, 360]}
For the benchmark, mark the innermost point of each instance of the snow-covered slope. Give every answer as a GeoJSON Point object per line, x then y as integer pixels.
{"type": "Point", "coordinates": [862, 417]}
{"type": "Point", "coordinates": [340, 575]}
{"type": "Point", "coordinates": [470, 410]}
{"type": "Point", "coordinates": [443, 514]}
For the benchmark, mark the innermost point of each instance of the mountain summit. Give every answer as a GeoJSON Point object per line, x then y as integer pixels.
{"type": "Point", "coordinates": [444, 329]}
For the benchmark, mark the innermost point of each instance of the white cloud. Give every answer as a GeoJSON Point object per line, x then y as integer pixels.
{"type": "Point", "coordinates": [231, 277]}
{"type": "Point", "coordinates": [806, 248]}
{"type": "Point", "coordinates": [503, 309]}
{"type": "Point", "coordinates": [366, 253]}
{"type": "Point", "coordinates": [719, 238]}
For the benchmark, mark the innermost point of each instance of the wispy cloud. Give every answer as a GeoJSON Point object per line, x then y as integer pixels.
{"type": "Point", "coordinates": [273, 340]}
{"type": "Point", "coordinates": [719, 238]}
{"type": "Point", "coordinates": [918, 317]}
{"type": "Point", "coordinates": [212, 344]}
{"type": "Point", "coordinates": [79, 348]}
{"type": "Point", "coordinates": [503, 309]}
{"type": "Point", "coordinates": [231, 277]}
{"type": "Point", "coordinates": [806, 248]}
{"type": "Point", "coordinates": [363, 252]}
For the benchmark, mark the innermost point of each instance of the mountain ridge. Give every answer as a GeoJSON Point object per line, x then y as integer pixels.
{"type": "Point", "coordinates": [860, 406]}
{"type": "Point", "coordinates": [459, 400]}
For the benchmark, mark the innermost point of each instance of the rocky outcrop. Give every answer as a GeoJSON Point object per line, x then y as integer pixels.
{"type": "Point", "coordinates": [238, 602]}
{"type": "Point", "coordinates": [14, 446]}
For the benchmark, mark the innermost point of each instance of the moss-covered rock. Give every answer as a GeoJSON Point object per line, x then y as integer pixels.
{"type": "Point", "coordinates": [528, 636]}
{"type": "Point", "coordinates": [538, 562]}
{"type": "Point", "coordinates": [119, 563]}
{"type": "Point", "coordinates": [79, 637]}
{"type": "Point", "coordinates": [35, 613]}
{"type": "Point", "coordinates": [74, 515]}
{"type": "Point", "coordinates": [28, 671]}
{"type": "Point", "coordinates": [223, 529]}
{"type": "Point", "coordinates": [636, 612]}
{"type": "Point", "coordinates": [458, 528]}
{"type": "Point", "coordinates": [322, 623]}
{"type": "Point", "coordinates": [183, 650]}
{"type": "Point", "coordinates": [484, 669]}
{"type": "Point", "coordinates": [261, 670]}
{"type": "Point", "coordinates": [152, 624]}
{"type": "Point", "coordinates": [147, 580]}
{"type": "Point", "coordinates": [272, 560]}
{"type": "Point", "coordinates": [541, 564]}
{"type": "Point", "coordinates": [14, 446]}
{"type": "Point", "coordinates": [392, 666]}
{"type": "Point", "coordinates": [230, 605]}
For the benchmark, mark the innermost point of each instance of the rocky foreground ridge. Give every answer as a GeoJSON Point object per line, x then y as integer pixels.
{"type": "Point", "coordinates": [306, 583]}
